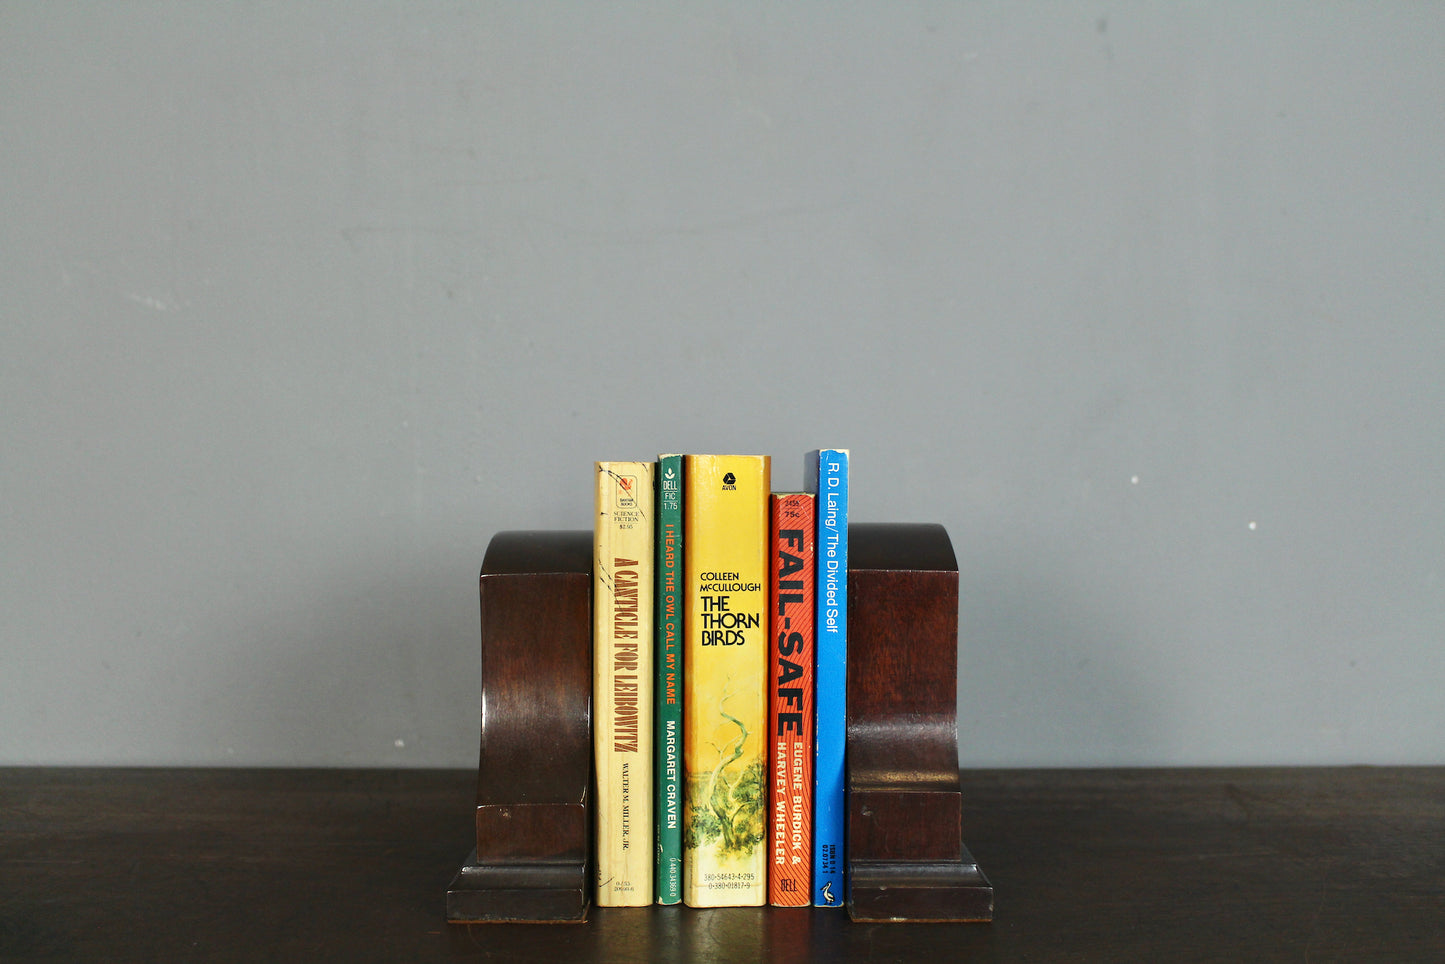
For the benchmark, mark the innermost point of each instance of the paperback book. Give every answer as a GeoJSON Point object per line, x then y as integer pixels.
{"type": "Point", "coordinates": [725, 657]}
{"type": "Point", "coordinates": [831, 607]}
{"type": "Point", "coordinates": [622, 673]}
{"type": "Point", "coordinates": [668, 735]}
{"type": "Point", "coordinates": [791, 725]}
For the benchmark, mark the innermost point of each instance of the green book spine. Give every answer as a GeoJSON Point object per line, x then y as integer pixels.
{"type": "Point", "coordinates": [668, 715]}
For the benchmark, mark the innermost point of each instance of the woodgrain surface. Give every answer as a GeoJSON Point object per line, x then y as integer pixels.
{"type": "Point", "coordinates": [535, 762]}
{"type": "Point", "coordinates": [1147, 865]}
{"type": "Point", "coordinates": [905, 856]}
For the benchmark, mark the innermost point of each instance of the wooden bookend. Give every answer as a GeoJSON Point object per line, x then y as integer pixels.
{"type": "Point", "coordinates": [535, 768]}
{"type": "Point", "coordinates": [905, 855]}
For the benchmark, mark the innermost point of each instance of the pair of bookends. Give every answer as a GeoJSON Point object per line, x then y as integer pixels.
{"type": "Point", "coordinates": [905, 855]}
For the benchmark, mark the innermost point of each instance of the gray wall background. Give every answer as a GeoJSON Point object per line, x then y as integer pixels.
{"type": "Point", "coordinates": [302, 302]}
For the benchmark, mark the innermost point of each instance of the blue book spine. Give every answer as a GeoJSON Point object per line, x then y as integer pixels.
{"type": "Point", "coordinates": [832, 676]}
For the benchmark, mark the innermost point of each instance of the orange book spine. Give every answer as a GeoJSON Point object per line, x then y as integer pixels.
{"type": "Point", "coordinates": [793, 538]}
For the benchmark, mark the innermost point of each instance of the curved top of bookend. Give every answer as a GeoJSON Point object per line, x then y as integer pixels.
{"type": "Point", "coordinates": [900, 546]}
{"type": "Point", "coordinates": [522, 551]}
{"type": "Point", "coordinates": [902, 657]}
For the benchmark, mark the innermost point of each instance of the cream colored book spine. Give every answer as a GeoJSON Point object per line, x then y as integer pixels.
{"type": "Point", "coordinates": [725, 674]}
{"type": "Point", "coordinates": [622, 675]}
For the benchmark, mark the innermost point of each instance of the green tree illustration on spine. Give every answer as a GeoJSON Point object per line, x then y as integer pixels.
{"type": "Point", "coordinates": [730, 813]}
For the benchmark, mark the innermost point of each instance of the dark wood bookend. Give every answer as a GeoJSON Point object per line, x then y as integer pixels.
{"type": "Point", "coordinates": [532, 860]}
{"type": "Point", "coordinates": [906, 860]}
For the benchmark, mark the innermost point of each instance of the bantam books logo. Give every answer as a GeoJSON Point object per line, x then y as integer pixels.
{"type": "Point", "coordinates": [626, 491]}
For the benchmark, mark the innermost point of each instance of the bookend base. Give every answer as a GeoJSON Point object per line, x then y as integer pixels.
{"type": "Point", "coordinates": [528, 893]}
{"type": "Point", "coordinates": [919, 891]}
{"type": "Point", "coordinates": [906, 860]}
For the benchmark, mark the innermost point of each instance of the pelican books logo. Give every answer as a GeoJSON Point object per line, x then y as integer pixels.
{"type": "Point", "coordinates": [626, 491]}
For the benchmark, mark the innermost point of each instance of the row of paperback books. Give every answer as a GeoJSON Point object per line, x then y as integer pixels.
{"type": "Point", "coordinates": [719, 675]}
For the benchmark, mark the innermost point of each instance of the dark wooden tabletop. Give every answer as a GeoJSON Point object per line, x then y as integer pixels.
{"type": "Point", "coordinates": [1103, 865]}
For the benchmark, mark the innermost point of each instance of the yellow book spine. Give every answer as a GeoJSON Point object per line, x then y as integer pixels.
{"type": "Point", "coordinates": [725, 673]}
{"type": "Point", "coordinates": [622, 675]}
